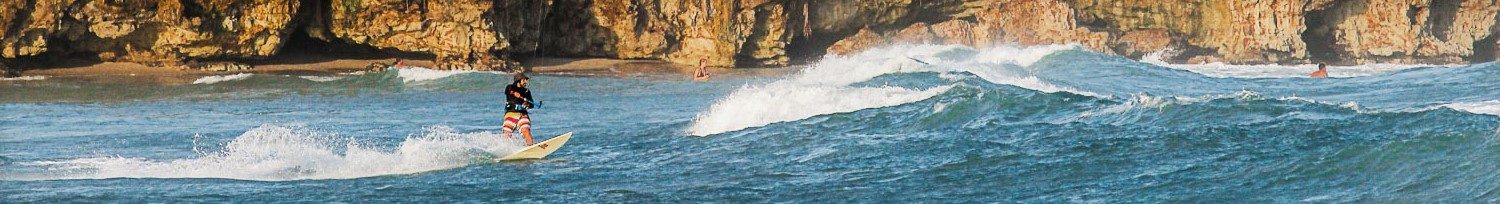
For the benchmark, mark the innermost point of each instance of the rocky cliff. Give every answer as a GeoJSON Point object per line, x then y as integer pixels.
{"type": "Point", "coordinates": [149, 32]}
{"type": "Point", "coordinates": [488, 34]}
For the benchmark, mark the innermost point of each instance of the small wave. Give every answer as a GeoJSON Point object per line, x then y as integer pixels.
{"type": "Point", "coordinates": [989, 64]}
{"type": "Point", "coordinates": [1483, 107]}
{"type": "Point", "coordinates": [25, 78]}
{"type": "Point", "coordinates": [1222, 70]}
{"type": "Point", "coordinates": [1144, 101]}
{"type": "Point", "coordinates": [418, 74]}
{"type": "Point", "coordinates": [1027, 82]}
{"type": "Point", "coordinates": [321, 78]}
{"type": "Point", "coordinates": [1023, 56]}
{"type": "Point", "coordinates": [221, 78]}
{"type": "Point", "coordinates": [1136, 101]}
{"type": "Point", "coordinates": [276, 153]}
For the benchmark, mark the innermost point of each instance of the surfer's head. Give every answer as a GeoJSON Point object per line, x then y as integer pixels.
{"type": "Point", "coordinates": [520, 79]}
{"type": "Point", "coordinates": [1322, 66]}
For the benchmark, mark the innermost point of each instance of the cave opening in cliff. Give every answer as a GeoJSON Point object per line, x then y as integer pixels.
{"type": "Point", "coordinates": [808, 41]}
{"type": "Point", "coordinates": [311, 42]}
{"type": "Point", "coordinates": [1484, 50]}
{"type": "Point", "coordinates": [302, 47]}
{"type": "Point", "coordinates": [818, 25]}
{"type": "Point", "coordinates": [1440, 17]}
{"type": "Point", "coordinates": [54, 57]}
{"type": "Point", "coordinates": [1319, 35]}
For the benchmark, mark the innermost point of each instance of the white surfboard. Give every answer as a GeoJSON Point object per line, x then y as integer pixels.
{"type": "Point", "coordinates": [541, 149]}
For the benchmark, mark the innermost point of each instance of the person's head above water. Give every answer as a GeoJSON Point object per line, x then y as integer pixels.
{"type": "Point", "coordinates": [519, 79]}
{"type": "Point", "coordinates": [1321, 73]}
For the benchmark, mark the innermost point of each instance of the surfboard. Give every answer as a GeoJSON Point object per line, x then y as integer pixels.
{"type": "Point", "coordinates": [540, 149]}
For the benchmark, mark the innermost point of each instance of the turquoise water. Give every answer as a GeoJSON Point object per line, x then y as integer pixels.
{"type": "Point", "coordinates": [1004, 124]}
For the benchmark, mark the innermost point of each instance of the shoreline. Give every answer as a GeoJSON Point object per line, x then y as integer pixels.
{"type": "Point", "coordinates": [132, 72]}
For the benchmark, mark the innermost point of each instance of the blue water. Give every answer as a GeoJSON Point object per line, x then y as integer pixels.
{"type": "Point", "coordinates": [1042, 124]}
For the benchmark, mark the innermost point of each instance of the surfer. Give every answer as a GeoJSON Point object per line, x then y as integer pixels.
{"type": "Point", "coordinates": [517, 101]}
{"type": "Point", "coordinates": [1321, 73]}
{"type": "Point", "coordinates": [701, 74]}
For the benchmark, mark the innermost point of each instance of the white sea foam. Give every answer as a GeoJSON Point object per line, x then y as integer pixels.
{"type": "Point", "coordinates": [1222, 70]}
{"type": "Point", "coordinates": [1136, 101]}
{"type": "Point", "coordinates": [827, 86]}
{"type": "Point", "coordinates": [759, 106]}
{"type": "Point", "coordinates": [1483, 107]}
{"type": "Point", "coordinates": [24, 78]}
{"type": "Point", "coordinates": [274, 153]}
{"type": "Point", "coordinates": [222, 78]}
{"type": "Point", "coordinates": [321, 78]}
{"type": "Point", "coordinates": [410, 74]}
{"type": "Point", "coordinates": [1023, 56]}
{"type": "Point", "coordinates": [423, 74]}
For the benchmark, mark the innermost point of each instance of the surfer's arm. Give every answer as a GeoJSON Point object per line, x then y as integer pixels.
{"type": "Point", "coordinates": [526, 99]}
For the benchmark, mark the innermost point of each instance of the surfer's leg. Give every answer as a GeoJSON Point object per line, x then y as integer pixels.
{"type": "Point", "coordinates": [509, 126]}
{"type": "Point", "coordinates": [524, 123]}
{"type": "Point", "coordinates": [506, 130]}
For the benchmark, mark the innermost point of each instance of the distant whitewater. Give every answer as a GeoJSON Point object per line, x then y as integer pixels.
{"type": "Point", "coordinates": [24, 78]}
{"type": "Point", "coordinates": [222, 78]}
{"type": "Point", "coordinates": [1220, 69]}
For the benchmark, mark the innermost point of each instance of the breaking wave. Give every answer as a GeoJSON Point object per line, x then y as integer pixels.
{"type": "Point", "coordinates": [839, 84]}
{"type": "Point", "coordinates": [888, 77]}
{"type": "Point", "coordinates": [222, 78]}
{"type": "Point", "coordinates": [276, 153]}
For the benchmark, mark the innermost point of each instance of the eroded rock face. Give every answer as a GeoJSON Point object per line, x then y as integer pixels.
{"type": "Point", "coordinates": [605, 28]}
{"type": "Point", "coordinates": [1409, 31]}
{"type": "Point", "coordinates": [1138, 43]}
{"type": "Point", "coordinates": [521, 23]}
{"type": "Point", "coordinates": [151, 32]}
{"type": "Point", "coordinates": [1336, 31]}
{"type": "Point", "coordinates": [487, 34]}
{"type": "Point", "coordinates": [1024, 22]}
{"type": "Point", "coordinates": [1249, 31]}
{"type": "Point", "coordinates": [763, 27]}
{"type": "Point", "coordinates": [165, 32]}
{"type": "Point", "coordinates": [1038, 22]}
{"type": "Point", "coordinates": [458, 32]}
{"type": "Point", "coordinates": [678, 31]}
{"type": "Point", "coordinates": [24, 26]}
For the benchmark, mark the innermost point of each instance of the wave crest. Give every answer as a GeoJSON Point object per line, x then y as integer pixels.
{"type": "Point", "coordinates": [1222, 70]}
{"type": "Point", "coordinates": [222, 78]}
{"type": "Point", "coordinates": [829, 86]}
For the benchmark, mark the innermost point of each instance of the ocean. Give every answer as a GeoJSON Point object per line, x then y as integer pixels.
{"type": "Point", "coordinates": [900, 124]}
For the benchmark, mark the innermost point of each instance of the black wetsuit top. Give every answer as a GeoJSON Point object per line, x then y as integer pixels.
{"type": "Point", "coordinates": [513, 104]}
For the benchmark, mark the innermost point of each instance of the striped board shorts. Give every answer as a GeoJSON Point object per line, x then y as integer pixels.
{"type": "Point", "coordinates": [515, 120]}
